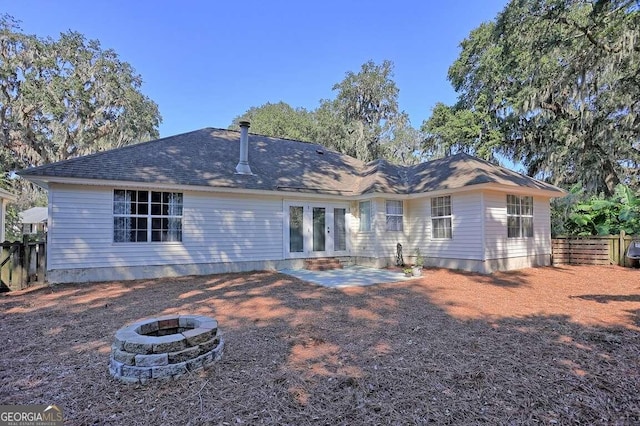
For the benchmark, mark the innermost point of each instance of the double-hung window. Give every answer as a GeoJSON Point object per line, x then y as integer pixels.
{"type": "Point", "coordinates": [142, 216]}
{"type": "Point", "coordinates": [365, 216]}
{"type": "Point", "coordinates": [519, 216]}
{"type": "Point", "coordinates": [394, 215]}
{"type": "Point", "coordinates": [441, 217]}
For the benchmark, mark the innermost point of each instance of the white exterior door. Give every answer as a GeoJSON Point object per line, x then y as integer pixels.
{"type": "Point", "coordinates": [315, 229]}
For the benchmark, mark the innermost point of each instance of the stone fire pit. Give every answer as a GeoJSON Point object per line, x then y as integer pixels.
{"type": "Point", "coordinates": [165, 348]}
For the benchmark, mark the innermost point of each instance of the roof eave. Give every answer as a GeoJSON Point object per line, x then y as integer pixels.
{"type": "Point", "coordinates": [552, 192]}
{"type": "Point", "coordinates": [492, 186]}
{"type": "Point", "coordinates": [6, 195]}
{"type": "Point", "coordinates": [46, 181]}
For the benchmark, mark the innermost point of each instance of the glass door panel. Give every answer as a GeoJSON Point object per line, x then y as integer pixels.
{"type": "Point", "coordinates": [319, 226]}
{"type": "Point", "coordinates": [339, 230]}
{"type": "Point", "coordinates": [296, 229]}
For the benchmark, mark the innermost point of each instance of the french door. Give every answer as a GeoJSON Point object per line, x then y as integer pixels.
{"type": "Point", "coordinates": [315, 229]}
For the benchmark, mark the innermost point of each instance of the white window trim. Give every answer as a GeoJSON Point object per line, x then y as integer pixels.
{"type": "Point", "coordinates": [307, 227]}
{"type": "Point", "coordinates": [400, 215]}
{"type": "Point", "coordinates": [521, 230]}
{"type": "Point", "coordinates": [149, 216]}
{"type": "Point", "coordinates": [370, 227]}
{"type": "Point", "coordinates": [449, 216]}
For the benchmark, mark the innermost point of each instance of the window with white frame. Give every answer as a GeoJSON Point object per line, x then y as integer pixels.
{"type": "Point", "coordinates": [441, 217]}
{"type": "Point", "coordinates": [142, 216]}
{"type": "Point", "coordinates": [519, 216]}
{"type": "Point", "coordinates": [394, 215]}
{"type": "Point", "coordinates": [365, 216]}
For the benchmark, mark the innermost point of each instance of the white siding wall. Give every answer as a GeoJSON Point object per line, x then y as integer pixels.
{"type": "Point", "coordinates": [221, 228]}
{"type": "Point", "coordinates": [387, 241]}
{"type": "Point", "coordinates": [3, 218]}
{"type": "Point", "coordinates": [216, 228]}
{"type": "Point", "coordinates": [466, 242]}
{"type": "Point", "coordinates": [498, 246]}
{"type": "Point", "coordinates": [362, 243]}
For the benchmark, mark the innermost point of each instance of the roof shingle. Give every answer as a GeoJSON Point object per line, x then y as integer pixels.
{"type": "Point", "coordinates": [208, 157]}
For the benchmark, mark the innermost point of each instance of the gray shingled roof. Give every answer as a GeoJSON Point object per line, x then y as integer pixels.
{"type": "Point", "coordinates": [34, 215]}
{"type": "Point", "coordinates": [208, 157]}
{"type": "Point", "coordinates": [462, 170]}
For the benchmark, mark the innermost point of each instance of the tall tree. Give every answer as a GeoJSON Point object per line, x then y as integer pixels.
{"type": "Point", "coordinates": [404, 142]}
{"type": "Point", "coordinates": [455, 129]}
{"type": "Point", "coordinates": [366, 112]}
{"type": "Point", "coordinates": [66, 97]}
{"type": "Point", "coordinates": [362, 121]}
{"type": "Point", "coordinates": [279, 120]}
{"type": "Point", "coordinates": [557, 84]}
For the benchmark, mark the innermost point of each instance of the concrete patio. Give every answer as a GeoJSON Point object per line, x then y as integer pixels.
{"type": "Point", "coordinates": [350, 276]}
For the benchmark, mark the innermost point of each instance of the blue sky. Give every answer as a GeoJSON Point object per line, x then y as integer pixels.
{"type": "Point", "coordinates": [206, 62]}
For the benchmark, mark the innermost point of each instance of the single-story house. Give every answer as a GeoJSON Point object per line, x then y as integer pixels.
{"type": "Point", "coordinates": [34, 220]}
{"type": "Point", "coordinates": [216, 200]}
{"type": "Point", "coordinates": [5, 198]}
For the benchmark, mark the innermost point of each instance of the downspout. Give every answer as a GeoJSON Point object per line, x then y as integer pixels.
{"type": "Point", "coordinates": [482, 230]}
{"type": "Point", "coordinates": [3, 218]}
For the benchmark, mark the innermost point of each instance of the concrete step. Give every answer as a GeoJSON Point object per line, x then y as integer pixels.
{"type": "Point", "coordinates": [347, 261]}
{"type": "Point", "coordinates": [322, 264]}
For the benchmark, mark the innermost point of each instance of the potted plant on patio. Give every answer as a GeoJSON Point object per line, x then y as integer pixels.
{"type": "Point", "coordinates": [408, 272]}
{"type": "Point", "coordinates": [418, 264]}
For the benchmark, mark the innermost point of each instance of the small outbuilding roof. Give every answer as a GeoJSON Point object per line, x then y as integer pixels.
{"type": "Point", "coordinates": [34, 215]}
{"type": "Point", "coordinates": [207, 158]}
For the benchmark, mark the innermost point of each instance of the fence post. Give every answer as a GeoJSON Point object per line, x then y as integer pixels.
{"type": "Point", "coordinates": [31, 262]}
{"type": "Point", "coordinates": [42, 261]}
{"type": "Point", "coordinates": [16, 267]}
{"type": "Point", "coordinates": [24, 262]}
{"type": "Point", "coordinates": [622, 261]}
{"type": "Point", "coordinates": [5, 270]}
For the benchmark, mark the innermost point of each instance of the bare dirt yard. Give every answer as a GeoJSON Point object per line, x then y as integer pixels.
{"type": "Point", "coordinates": [536, 346]}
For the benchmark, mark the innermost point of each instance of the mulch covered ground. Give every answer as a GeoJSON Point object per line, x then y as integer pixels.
{"type": "Point", "coordinates": [535, 346]}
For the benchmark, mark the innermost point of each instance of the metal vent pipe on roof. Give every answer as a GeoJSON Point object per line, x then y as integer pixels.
{"type": "Point", "coordinates": [243, 165]}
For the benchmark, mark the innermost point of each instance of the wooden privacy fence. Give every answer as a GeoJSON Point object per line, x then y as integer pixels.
{"type": "Point", "coordinates": [22, 264]}
{"type": "Point", "coordinates": [591, 250]}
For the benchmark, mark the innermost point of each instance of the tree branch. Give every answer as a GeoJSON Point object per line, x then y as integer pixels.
{"type": "Point", "coordinates": [587, 32]}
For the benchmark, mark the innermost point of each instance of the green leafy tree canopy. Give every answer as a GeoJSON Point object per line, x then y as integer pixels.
{"type": "Point", "coordinates": [553, 84]}
{"type": "Point", "coordinates": [363, 120]}
{"type": "Point", "coordinates": [581, 214]}
{"type": "Point", "coordinates": [66, 97]}
{"type": "Point", "coordinates": [63, 98]}
{"type": "Point", "coordinates": [279, 120]}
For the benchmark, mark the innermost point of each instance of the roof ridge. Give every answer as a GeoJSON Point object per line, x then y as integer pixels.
{"type": "Point", "coordinates": [310, 143]}
{"type": "Point", "coordinates": [512, 172]}
{"type": "Point", "coordinates": [284, 139]}
{"type": "Point", "coordinates": [466, 161]}
{"type": "Point", "coordinates": [504, 169]}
